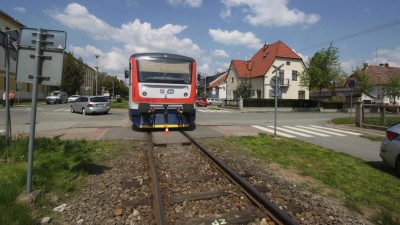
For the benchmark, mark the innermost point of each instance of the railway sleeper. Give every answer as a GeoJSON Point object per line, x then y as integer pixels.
{"type": "Point", "coordinates": [242, 217]}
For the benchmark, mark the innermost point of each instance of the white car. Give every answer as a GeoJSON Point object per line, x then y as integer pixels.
{"type": "Point", "coordinates": [214, 101]}
{"type": "Point", "coordinates": [73, 98]}
{"type": "Point", "coordinates": [390, 147]}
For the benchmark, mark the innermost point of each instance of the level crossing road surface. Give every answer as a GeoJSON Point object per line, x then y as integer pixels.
{"type": "Point", "coordinates": [309, 127]}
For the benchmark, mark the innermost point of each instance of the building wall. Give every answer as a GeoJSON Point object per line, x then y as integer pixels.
{"type": "Point", "coordinates": [292, 87]}
{"type": "Point", "coordinates": [232, 81]}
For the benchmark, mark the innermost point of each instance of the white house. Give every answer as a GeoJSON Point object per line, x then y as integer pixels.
{"type": "Point", "coordinates": [260, 69]}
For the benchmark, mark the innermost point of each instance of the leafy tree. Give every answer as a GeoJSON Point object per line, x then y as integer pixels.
{"type": "Point", "coordinates": [244, 88]}
{"type": "Point", "coordinates": [363, 81]}
{"type": "Point", "coordinates": [392, 88]}
{"type": "Point", "coordinates": [111, 83]}
{"type": "Point", "coordinates": [323, 71]}
{"type": "Point", "coordinates": [73, 74]}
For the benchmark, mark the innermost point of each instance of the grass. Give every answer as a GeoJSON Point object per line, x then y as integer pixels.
{"type": "Point", "coordinates": [60, 167]}
{"type": "Point", "coordinates": [376, 121]}
{"type": "Point", "coordinates": [123, 104]}
{"type": "Point", "coordinates": [359, 185]}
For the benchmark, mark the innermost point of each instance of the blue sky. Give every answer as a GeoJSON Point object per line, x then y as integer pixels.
{"type": "Point", "coordinates": [216, 31]}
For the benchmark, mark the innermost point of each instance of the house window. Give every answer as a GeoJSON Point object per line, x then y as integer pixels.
{"type": "Point", "coordinates": [287, 63]}
{"type": "Point", "coordinates": [294, 75]}
{"type": "Point", "coordinates": [232, 80]}
{"type": "Point", "coordinates": [302, 94]}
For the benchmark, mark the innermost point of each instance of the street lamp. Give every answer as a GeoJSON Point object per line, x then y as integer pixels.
{"type": "Point", "coordinates": [97, 70]}
{"type": "Point", "coordinates": [379, 87]}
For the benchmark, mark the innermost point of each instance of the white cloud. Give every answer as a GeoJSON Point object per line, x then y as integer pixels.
{"type": "Point", "coordinates": [20, 9]}
{"type": "Point", "coordinates": [189, 3]}
{"type": "Point", "coordinates": [269, 12]}
{"type": "Point", "coordinates": [235, 37]}
{"type": "Point", "coordinates": [219, 53]}
{"type": "Point", "coordinates": [132, 37]}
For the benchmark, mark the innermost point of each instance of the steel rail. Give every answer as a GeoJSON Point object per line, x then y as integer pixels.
{"type": "Point", "coordinates": [255, 194]}
{"type": "Point", "coordinates": [158, 204]}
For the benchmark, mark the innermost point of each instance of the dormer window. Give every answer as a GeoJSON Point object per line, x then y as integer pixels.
{"type": "Point", "coordinates": [287, 63]}
{"type": "Point", "coordinates": [231, 79]}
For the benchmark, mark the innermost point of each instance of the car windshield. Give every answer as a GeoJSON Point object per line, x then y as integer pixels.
{"type": "Point", "coordinates": [164, 71]}
{"type": "Point", "coordinates": [54, 94]}
{"type": "Point", "coordinates": [98, 99]}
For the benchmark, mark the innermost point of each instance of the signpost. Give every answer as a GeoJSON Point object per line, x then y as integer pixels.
{"type": "Point", "coordinates": [40, 52]}
{"type": "Point", "coordinates": [351, 83]}
{"type": "Point", "coordinates": [6, 41]}
{"type": "Point", "coordinates": [275, 85]}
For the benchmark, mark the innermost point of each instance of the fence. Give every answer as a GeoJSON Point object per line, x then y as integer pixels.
{"type": "Point", "coordinates": [378, 116]}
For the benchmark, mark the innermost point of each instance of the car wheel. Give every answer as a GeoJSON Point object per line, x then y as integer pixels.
{"type": "Point", "coordinates": [83, 111]}
{"type": "Point", "coordinates": [72, 110]}
{"type": "Point", "coordinates": [398, 166]}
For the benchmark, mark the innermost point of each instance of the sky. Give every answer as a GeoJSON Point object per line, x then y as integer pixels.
{"type": "Point", "coordinates": [214, 32]}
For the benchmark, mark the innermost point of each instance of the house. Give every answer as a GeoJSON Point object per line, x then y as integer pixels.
{"type": "Point", "coordinates": [23, 90]}
{"type": "Point", "coordinates": [260, 69]}
{"type": "Point", "coordinates": [212, 86]}
{"type": "Point", "coordinates": [378, 74]}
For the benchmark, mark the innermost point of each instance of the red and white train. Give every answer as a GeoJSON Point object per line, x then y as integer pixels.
{"type": "Point", "coordinates": [162, 91]}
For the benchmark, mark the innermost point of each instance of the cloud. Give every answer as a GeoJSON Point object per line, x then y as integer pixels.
{"type": "Point", "coordinates": [131, 37]}
{"type": "Point", "coordinates": [220, 53]}
{"type": "Point", "coordinates": [235, 37]}
{"type": "Point", "coordinates": [269, 13]}
{"type": "Point", "coordinates": [19, 9]}
{"type": "Point", "coordinates": [189, 3]}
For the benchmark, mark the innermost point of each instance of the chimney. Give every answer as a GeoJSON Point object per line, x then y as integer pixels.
{"type": "Point", "coordinates": [386, 64]}
{"type": "Point", "coordinates": [381, 64]}
{"type": "Point", "coordinates": [365, 66]}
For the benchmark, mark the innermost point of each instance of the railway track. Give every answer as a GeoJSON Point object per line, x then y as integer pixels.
{"type": "Point", "coordinates": [191, 186]}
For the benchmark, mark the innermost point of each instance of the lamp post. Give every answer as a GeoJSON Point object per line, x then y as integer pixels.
{"type": "Point", "coordinates": [379, 87]}
{"type": "Point", "coordinates": [97, 71]}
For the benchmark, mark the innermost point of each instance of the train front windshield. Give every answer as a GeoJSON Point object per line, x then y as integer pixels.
{"type": "Point", "coordinates": [164, 71]}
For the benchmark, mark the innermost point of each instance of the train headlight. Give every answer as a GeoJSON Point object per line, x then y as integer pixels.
{"type": "Point", "coordinates": [185, 94]}
{"type": "Point", "coordinates": [144, 93]}
{"type": "Point", "coordinates": [144, 88]}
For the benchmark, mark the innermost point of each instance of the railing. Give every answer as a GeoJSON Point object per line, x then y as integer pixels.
{"type": "Point", "coordinates": [377, 115]}
{"type": "Point", "coordinates": [231, 103]}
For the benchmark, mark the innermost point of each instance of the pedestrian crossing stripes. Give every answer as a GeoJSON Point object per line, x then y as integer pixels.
{"type": "Point", "coordinates": [306, 131]}
{"type": "Point", "coordinates": [213, 111]}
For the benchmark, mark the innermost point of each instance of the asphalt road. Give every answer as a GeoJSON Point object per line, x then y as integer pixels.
{"type": "Point", "coordinates": [57, 120]}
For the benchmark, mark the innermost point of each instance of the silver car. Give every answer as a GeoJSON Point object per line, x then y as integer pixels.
{"type": "Point", "coordinates": [73, 98]}
{"type": "Point", "coordinates": [90, 105]}
{"type": "Point", "coordinates": [390, 147]}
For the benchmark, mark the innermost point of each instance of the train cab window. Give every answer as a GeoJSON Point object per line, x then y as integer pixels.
{"type": "Point", "coordinates": [164, 71]}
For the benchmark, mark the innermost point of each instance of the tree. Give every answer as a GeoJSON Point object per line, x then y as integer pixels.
{"type": "Point", "coordinates": [73, 74]}
{"type": "Point", "coordinates": [392, 88]}
{"type": "Point", "coordinates": [363, 81]}
{"type": "Point", "coordinates": [244, 88]}
{"type": "Point", "coordinates": [114, 86]}
{"type": "Point", "coordinates": [323, 71]}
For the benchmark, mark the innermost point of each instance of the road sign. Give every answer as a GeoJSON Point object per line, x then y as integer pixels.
{"type": "Point", "coordinates": [275, 93]}
{"type": "Point", "coordinates": [351, 83]}
{"type": "Point", "coordinates": [52, 39]}
{"type": "Point", "coordinates": [51, 67]}
{"type": "Point", "coordinates": [275, 82]}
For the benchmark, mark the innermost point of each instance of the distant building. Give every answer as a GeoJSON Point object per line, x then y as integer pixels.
{"type": "Point", "coordinates": [23, 91]}
{"type": "Point", "coordinates": [259, 70]}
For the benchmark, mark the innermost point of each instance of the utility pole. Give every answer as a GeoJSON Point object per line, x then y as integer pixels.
{"type": "Point", "coordinates": [97, 71]}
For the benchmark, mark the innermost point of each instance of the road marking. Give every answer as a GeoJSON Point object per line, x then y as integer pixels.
{"type": "Point", "coordinates": [337, 130]}
{"type": "Point", "coordinates": [323, 131]}
{"type": "Point", "coordinates": [307, 131]}
{"type": "Point", "coordinates": [272, 131]}
{"type": "Point", "coordinates": [210, 110]}
{"type": "Point", "coordinates": [292, 132]}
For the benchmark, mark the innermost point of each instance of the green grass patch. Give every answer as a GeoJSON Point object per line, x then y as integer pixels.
{"type": "Point", "coordinates": [60, 167]}
{"type": "Point", "coordinates": [123, 104]}
{"type": "Point", "coordinates": [375, 121]}
{"type": "Point", "coordinates": [359, 185]}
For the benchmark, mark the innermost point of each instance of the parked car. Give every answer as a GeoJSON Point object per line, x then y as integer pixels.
{"type": "Point", "coordinates": [90, 105]}
{"type": "Point", "coordinates": [201, 101]}
{"type": "Point", "coordinates": [390, 147]}
{"type": "Point", "coordinates": [73, 98]}
{"type": "Point", "coordinates": [57, 97]}
{"type": "Point", "coordinates": [214, 101]}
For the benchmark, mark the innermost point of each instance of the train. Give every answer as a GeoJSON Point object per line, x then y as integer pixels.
{"type": "Point", "coordinates": [162, 91]}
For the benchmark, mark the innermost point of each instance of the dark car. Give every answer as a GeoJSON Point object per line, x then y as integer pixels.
{"type": "Point", "coordinates": [201, 101]}
{"type": "Point", "coordinates": [390, 147]}
{"type": "Point", "coordinates": [90, 105]}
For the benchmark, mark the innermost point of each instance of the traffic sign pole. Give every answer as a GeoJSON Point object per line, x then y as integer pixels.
{"type": "Point", "coordinates": [276, 96]}
{"type": "Point", "coordinates": [37, 75]}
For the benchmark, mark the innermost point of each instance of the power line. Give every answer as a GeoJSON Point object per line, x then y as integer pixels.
{"type": "Point", "coordinates": [362, 32]}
